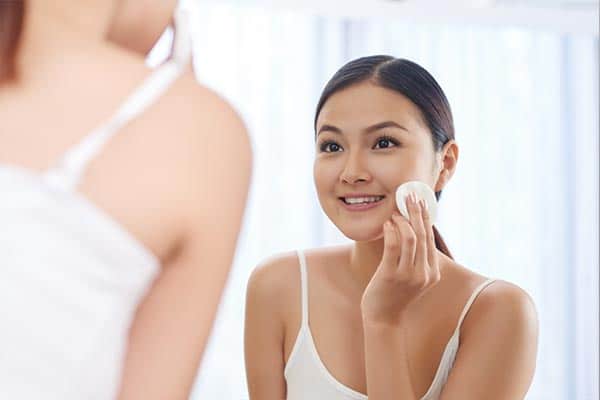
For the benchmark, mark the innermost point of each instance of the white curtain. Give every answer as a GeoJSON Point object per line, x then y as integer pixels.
{"type": "Point", "coordinates": [523, 205]}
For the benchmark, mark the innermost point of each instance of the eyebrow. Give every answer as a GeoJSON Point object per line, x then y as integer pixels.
{"type": "Point", "coordinates": [370, 129]}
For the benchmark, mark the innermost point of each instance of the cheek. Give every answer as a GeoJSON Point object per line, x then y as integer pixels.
{"type": "Point", "coordinates": [391, 172]}
{"type": "Point", "coordinates": [325, 174]}
{"type": "Point", "coordinates": [411, 164]}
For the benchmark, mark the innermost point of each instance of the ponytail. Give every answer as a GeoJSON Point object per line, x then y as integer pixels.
{"type": "Point", "coordinates": [12, 13]}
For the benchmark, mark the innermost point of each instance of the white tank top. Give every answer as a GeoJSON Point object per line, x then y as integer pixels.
{"type": "Point", "coordinates": [71, 276]}
{"type": "Point", "coordinates": [308, 378]}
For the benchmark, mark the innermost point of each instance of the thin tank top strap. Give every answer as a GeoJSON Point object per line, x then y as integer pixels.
{"type": "Point", "coordinates": [67, 173]}
{"type": "Point", "coordinates": [471, 300]}
{"type": "Point", "coordinates": [71, 167]}
{"type": "Point", "coordinates": [304, 287]}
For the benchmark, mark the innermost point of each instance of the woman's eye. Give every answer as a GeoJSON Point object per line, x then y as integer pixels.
{"type": "Point", "coordinates": [330, 147]}
{"type": "Point", "coordinates": [385, 142]}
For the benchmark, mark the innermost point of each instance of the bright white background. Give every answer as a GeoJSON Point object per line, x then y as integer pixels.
{"type": "Point", "coordinates": [523, 205]}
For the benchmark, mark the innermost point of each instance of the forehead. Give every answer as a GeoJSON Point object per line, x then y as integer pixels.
{"type": "Point", "coordinates": [365, 103]}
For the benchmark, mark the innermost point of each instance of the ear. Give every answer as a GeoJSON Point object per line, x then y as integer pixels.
{"type": "Point", "coordinates": [446, 160]}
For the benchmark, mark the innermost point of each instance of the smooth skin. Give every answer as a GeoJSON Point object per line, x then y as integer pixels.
{"type": "Point", "coordinates": [382, 309]}
{"type": "Point", "coordinates": [176, 178]}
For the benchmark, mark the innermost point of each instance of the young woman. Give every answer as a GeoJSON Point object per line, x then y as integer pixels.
{"type": "Point", "coordinates": [393, 315]}
{"type": "Point", "coordinates": [117, 231]}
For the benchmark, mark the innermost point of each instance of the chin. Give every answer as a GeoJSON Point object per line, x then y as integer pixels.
{"type": "Point", "coordinates": [362, 233]}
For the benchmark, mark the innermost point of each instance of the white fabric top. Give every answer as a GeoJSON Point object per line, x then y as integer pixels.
{"type": "Point", "coordinates": [308, 378]}
{"type": "Point", "coordinates": [71, 276]}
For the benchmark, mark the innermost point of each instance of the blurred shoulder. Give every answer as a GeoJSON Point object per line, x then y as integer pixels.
{"type": "Point", "coordinates": [189, 94]}
{"type": "Point", "coordinates": [203, 110]}
{"type": "Point", "coordinates": [186, 119]}
{"type": "Point", "coordinates": [206, 147]}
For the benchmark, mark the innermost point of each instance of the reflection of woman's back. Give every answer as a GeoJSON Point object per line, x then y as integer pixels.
{"type": "Point", "coordinates": [85, 234]}
{"type": "Point", "coordinates": [71, 265]}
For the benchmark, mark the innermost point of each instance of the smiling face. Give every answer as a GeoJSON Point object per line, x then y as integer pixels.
{"type": "Point", "coordinates": [370, 140]}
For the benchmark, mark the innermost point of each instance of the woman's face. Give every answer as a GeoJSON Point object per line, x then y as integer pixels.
{"type": "Point", "coordinates": [370, 140]}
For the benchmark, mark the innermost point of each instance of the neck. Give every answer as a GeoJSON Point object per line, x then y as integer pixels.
{"type": "Point", "coordinates": [364, 259]}
{"type": "Point", "coordinates": [366, 256]}
{"type": "Point", "coordinates": [55, 29]}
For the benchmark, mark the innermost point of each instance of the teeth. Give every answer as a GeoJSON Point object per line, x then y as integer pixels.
{"type": "Point", "coordinates": [362, 200]}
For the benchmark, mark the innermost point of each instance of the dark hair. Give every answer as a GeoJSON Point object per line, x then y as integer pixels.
{"type": "Point", "coordinates": [12, 13]}
{"type": "Point", "coordinates": [412, 81]}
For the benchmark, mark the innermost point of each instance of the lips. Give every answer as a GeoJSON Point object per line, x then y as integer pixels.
{"type": "Point", "coordinates": [361, 201]}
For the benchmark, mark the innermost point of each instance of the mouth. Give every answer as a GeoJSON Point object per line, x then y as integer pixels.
{"type": "Point", "coordinates": [361, 203]}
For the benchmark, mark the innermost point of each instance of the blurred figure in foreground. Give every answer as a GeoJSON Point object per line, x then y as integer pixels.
{"type": "Point", "coordinates": [122, 191]}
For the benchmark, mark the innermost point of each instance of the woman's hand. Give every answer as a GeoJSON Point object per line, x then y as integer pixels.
{"type": "Point", "coordinates": [408, 268]}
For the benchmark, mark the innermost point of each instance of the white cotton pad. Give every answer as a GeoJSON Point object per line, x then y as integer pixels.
{"type": "Point", "coordinates": [423, 192]}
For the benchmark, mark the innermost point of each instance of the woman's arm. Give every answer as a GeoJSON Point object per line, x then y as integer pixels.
{"type": "Point", "coordinates": [498, 345]}
{"type": "Point", "coordinates": [174, 320]}
{"type": "Point", "coordinates": [495, 361]}
{"type": "Point", "coordinates": [264, 332]}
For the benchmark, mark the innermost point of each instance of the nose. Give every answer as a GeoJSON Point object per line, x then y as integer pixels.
{"type": "Point", "coordinates": [355, 170]}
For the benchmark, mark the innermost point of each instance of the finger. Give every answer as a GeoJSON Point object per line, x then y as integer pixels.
{"type": "Point", "coordinates": [411, 207]}
{"type": "Point", "coordinates": [431, 248]}
{"type": "Point", "coordinates": [413, 212]}
{"type": "Point", "coordinates": [416, 221]}
{"type": "Point", "coordinates": [407, 244]}
{"type": "Point", "coordinates": [391, 246]}
{"type": "Point", "coordinates": [397, 229]}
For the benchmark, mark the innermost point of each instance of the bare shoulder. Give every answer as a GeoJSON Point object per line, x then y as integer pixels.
{"type": "Point", "coordinates": [206, 148]}
{"type": "Point", "coordinates": [275, 277]}
{"type": "Point", "coordinates": [501, 306]}
{"type": "Point", "coordinates": [501, 295]}
{"type": "Point", "coordinates": [498, 346]}
{"type": "Point", "coordinates": [203, 115]}
{"type": "Point", "coordinates": [275, 284]}
{"type": "Point", "coordinates": [187, 103]}
{"type": "Point", "coordinates": [189, 133]}
{"type": "Point", "coordinates": [196, 101]}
